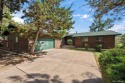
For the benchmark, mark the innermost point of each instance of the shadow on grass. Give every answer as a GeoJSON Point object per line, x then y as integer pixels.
{"type": "Point", "coordinates": [13, 58]}
{"type": "Point", "coordinates": [36, 78]}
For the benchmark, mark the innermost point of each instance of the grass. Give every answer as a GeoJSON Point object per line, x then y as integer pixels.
{"type": "Point", "coordinates": [82, 49]}
{"type": "Point", "coordinates": [97, 54]}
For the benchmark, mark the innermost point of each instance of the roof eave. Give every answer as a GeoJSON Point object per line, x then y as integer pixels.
{"type": "Point", "coordinates": [96, 35]}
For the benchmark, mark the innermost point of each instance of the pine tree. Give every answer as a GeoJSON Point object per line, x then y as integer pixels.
{"type": "Point", "coordinates": [101, 25]}
{"type": "Point", "coordinates": [47, 16]}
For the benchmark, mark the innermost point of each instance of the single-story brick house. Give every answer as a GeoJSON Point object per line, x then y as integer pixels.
{"type": "Point", "coordinates": [105, 38]}
{"type": "Point", "coordinates": [17, 43]}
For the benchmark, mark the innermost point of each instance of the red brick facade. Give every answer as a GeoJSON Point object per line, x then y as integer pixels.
{"type": "Point", "coordinates": [21, 44]}
{"type": "Point", "coordinates": [108, 42]}
{"type": "Point", "coordinates": [78, 42]}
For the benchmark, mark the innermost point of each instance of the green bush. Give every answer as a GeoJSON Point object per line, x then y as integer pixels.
{"type": "Point", "coordinates": [119, 45]}
{"type": "Point", "coordinates": [98, 47]}
{"type": "Point", "coordinates": [123, 40]}
{"type": "Point", "coordinates": [69, 41]}
{"type": "Point", "coordinates": [112, 63]}
{"type": "Point", "coordinates": [86, 46]}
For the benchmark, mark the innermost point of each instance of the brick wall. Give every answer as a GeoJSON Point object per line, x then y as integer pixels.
{"type": "Point", "coordinates": [78, 42]}
{"type": "Point", "coordinates": [11, 44]}
{"type": "Point", "coordinates": [5, 43]}
{"type": "Point", "coordinates": [23, 44]}
{"type": "Point", "coordinates": [108, 42]}
{"type": "Point", "coordinates": [58, 43]}
{"type": "Point", "coordinates": [91, 42]}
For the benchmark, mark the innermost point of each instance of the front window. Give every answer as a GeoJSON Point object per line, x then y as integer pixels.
{"type": "Point", "coordinates": [69, 42]}
{"type": "Point", "coordinates": [85, 39]}
{"type": "Point", "coordinates": [6, 38]}
{"type": "Point", "coordinates": [16, 39]}
{"type": "Point", "coordinates": [99, 39]}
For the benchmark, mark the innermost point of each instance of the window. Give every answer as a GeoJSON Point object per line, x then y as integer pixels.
{"type": "Point", "coordinates": [16, 39]}
{"type": "Point", "coordinates": [69, 42]}
{"type": "Point", "coordinates": [99, 39]}
{"type": "Point", "coordinates": [85, 39]}
{"type": "Point", "coordinates": [6, 37]}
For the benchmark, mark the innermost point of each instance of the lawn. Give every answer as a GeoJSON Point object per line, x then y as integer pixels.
{"type": "Point", "coordinates": [97, 54]}
{"type": "Point", "coordinates": [82, 49]}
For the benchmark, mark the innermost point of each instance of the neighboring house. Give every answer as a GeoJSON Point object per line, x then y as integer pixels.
{"type": "Point", "coordinates": [17, 43]}
{"type": "Point", "coordinates": [105, 38]}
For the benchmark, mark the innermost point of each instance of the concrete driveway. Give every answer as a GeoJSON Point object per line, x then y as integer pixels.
{"type": "Point", "coordinates": [57, 66]}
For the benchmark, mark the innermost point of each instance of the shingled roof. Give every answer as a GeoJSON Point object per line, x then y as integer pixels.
{"type": "Point", "coordinates": [100, 33]}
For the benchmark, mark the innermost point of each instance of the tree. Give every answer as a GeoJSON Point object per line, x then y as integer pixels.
{"type": "Point", "coordinates": [100, 25]}
{"type": "Point", "coordinates": [6, 19]}
{"type": "Point", "coordinates": [114, 8]}
{"type": "Point", "coordinates": [46, 16]}
{"type": "Point", "coordinates": [12, 5]}
{"type": "Point", "coordinates": [1, 11]}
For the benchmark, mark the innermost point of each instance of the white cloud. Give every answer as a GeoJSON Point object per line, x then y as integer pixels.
{"type": "Point", "coordinates": [91, 20]}
{"type": "Point", "coordinates": [18, 19]}
{"type": "Point", "coordinates": [85, 16]}
{"type": "Point", "coordinates": [77, 15]}
{"type": "Point", "coordinates": [119, 28]}
{"type": "Point", "coordinates": [123, 21]}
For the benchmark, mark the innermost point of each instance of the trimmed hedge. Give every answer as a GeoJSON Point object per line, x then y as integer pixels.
{"type": "Point", "coordinates": [98, 47]}
{"type": "Point", "coordinates": [112, 63]}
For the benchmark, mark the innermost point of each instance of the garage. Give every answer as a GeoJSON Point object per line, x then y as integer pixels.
{"type": "Point", "coordinates": [45, 43]}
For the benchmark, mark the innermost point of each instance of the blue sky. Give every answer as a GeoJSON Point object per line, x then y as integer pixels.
{"type": "Point", "coordinates": [81, 16]}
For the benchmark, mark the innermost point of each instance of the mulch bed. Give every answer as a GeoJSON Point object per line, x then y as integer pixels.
{"type": "Point", "coordinates": [11, 58]}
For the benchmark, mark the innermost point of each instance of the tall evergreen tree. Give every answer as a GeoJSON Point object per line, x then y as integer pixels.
{"type": "Point", "coordinates": [101, 25]}
{"type": "Point", "coordinates": [111, 9]}
{"type": "Point", "coordinates": [114, 8]}
{"type": "Point", "coordinates": [1, 10]}
{"type": "Point", "coordinates": [12, 5]}
{"type": "Point", "coordinates": [47, 16]}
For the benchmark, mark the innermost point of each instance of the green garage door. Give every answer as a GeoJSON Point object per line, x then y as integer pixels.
{"type": "Point", "coordinates": [43, 44]}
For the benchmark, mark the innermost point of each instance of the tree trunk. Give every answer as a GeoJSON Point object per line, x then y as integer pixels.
{"type": "Point", "coordinates": [1, 10]}
{"type": "Point", "coordinates": [1, 13]}
{"type": "Point", "coordinates": [34, 43]}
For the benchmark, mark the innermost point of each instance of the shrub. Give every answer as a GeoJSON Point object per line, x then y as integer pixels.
{"type": "Point", "coordinates": [123, 40]}
{"type": "Point", "coordinates": [69, 41]}
{"type": "Point", "coordinates": [86, 46]}
{"type": "Point", "coordinates": [119, 45]}
{"type": "Point", "coordinates": [112, 63]}
{"type": "Point", "coordinates": [98, 47]}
